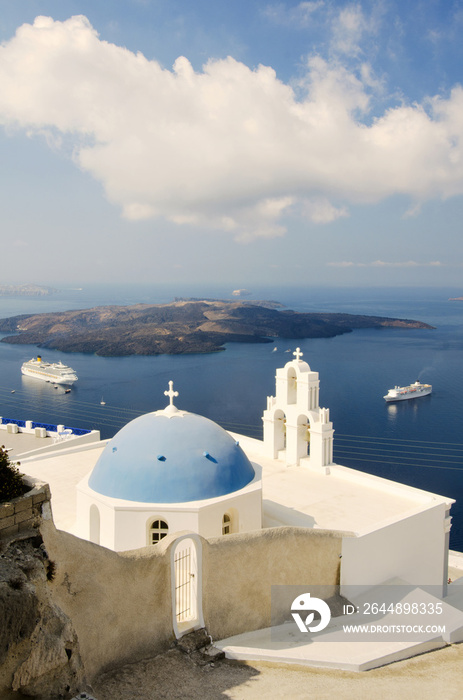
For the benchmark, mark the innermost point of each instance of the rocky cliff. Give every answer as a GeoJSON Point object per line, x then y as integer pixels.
{"type": "Point", "coordinates": [39, 651]}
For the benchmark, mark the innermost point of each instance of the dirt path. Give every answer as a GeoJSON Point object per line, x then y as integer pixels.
{"type": "Point", "coordinates": [173, 676]}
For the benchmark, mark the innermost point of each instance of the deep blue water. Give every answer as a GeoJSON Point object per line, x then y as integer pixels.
{"type": "Point", "coordinates": [419, 442]}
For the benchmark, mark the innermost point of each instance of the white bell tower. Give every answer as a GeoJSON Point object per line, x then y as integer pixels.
{"type": "Point", "coordinates": [296, 429]}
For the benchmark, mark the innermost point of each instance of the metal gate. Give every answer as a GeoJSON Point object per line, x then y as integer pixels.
{"type": "Point", "coordinates": [185, 582]}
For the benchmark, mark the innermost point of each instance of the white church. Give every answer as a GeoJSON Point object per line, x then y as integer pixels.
{"type": "Point", "coordinates": [166, 472]}
{"type": "Point", "coordinates": [173, 471]}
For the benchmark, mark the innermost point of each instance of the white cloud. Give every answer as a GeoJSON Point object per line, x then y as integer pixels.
{"type": "Point", "coordinates": [321, 211]}
{"type": "Point", "coordinates": [348, 28]}
{"type": "Point", "coordinates": [229, 148]}
{"type": "Point", "coordinates": [382, 263]}
{"type": "Point", "coordinates": [299, 16]}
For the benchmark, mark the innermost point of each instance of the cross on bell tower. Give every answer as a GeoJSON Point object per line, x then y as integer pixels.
{"type": "Point", "coordinates": [171, 393]}
{"type": "Point", "coordinates": [298, 354]}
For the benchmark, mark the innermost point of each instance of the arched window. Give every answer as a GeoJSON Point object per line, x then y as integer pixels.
{"type": "Point", "coordinates": [303, 436]}
{"type": "Point", "coordinates": [158, 530]}
{"type": "Point", "coordinates": [226, 524]}
{"type": "Point", "coordinates": [291, 386]}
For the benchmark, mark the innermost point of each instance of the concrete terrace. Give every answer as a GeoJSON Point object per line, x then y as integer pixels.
{"type": "Point", "coordinates": [61, 464]}
{"type": "Point", "coordinates": [335, 648]}
{"type": "Point", "coordinates": [18, 444]}
{"type": "Point", "coordinates": [344, 500]}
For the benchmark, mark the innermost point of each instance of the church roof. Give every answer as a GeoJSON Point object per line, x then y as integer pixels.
{"type": "Point", "coordinates": [171, 456]}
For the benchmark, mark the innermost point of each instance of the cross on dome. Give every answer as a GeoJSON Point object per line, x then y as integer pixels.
{"type": "Point", "coordinates": [171, 393]}
{"type": "Point", "coordinates": [298, 354]}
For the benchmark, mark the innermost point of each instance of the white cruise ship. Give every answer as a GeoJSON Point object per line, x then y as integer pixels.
{"type": "Point", "coordinates": [54, 372]}
{"type": "Point", "coordinates": [414, 391]}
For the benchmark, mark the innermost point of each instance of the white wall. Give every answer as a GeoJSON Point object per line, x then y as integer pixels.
{"type": "Point", "coordinates": [246, 512]}
{"type": "Point", "coordinates": [124, 525]}
{"type": "Point", "coordinates": [132, 526]}
{"type": "Point", "coordinates": [82, 524]}
{"type": "Point", "coordinates": [413, 549]}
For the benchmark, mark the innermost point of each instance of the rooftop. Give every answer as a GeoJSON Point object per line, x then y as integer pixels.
{"type": "Point", "coordinates": [19, 443]}
{"type": "Point", "coordinates": [62, 470]}
{"type": "Point", "coordinates": [344, 499]}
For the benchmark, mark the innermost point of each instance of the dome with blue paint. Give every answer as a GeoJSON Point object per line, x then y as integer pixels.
{"type": "Point", "coordinates": [171, 456]}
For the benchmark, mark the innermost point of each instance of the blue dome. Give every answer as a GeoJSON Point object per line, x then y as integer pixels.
{"type": "Point", "coordinates": [171, 458]}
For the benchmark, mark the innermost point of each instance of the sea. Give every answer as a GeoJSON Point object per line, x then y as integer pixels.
{"type": "Point", "coordinates": [419, 443]}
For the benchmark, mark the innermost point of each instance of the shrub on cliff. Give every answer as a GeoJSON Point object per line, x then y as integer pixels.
{"type": "Point", "coordinates": [11, 483]}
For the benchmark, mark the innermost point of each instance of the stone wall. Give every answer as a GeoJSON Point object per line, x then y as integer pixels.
{"type": "Point", "coordinates": [121, 603]}
{"type": "Point", "coordinates": [240, 570]}
{"type": "Point", "coordinates": [24, 513]}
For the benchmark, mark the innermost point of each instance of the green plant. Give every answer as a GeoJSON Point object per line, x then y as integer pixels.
{"type": "Point", "coordinates": [11, 483]}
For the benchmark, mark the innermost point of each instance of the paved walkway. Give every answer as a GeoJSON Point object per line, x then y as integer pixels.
{"type": "Point", "coordinates": [401, 635]}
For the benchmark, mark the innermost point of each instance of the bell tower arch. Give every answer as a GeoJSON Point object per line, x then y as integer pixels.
{"type": "Point", "coordinates": [296, 429]}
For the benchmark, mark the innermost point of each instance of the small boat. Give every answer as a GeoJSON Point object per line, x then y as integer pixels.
{"type": "Point", "coordinates": [275, 349]}
{"type": "Point", "coordinates": [102, 403]}
{"type": "Point", "coordinates": [67, 391]}
{"type": "Point", "coordinates": [413, 391]}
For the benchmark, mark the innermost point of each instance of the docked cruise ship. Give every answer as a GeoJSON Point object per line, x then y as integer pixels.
{"type": "Point", "coordinates": [413, 391]}
{"type": "Point", "coordinates": [54, 372]}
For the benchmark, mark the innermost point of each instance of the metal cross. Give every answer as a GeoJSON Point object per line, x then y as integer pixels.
{"type": "Point", "coordinates": [171, 393]}
{"type": "Point", "coordinates": [298, 354]}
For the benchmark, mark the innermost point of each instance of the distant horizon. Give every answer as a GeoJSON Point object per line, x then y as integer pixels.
{"type": "Point", "coordinates": [399, 302]}
{"type": "Point", "coordinates": [64, 286]}
{"type": "Point", "coordinates": [76, 286]}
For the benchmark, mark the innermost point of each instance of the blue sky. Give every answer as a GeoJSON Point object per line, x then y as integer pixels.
{"type": "Point", "coordinates": [240, 142]}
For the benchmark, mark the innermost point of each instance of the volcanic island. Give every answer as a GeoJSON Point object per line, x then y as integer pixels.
{"type": "Point", "coordinates": [182, 326]}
